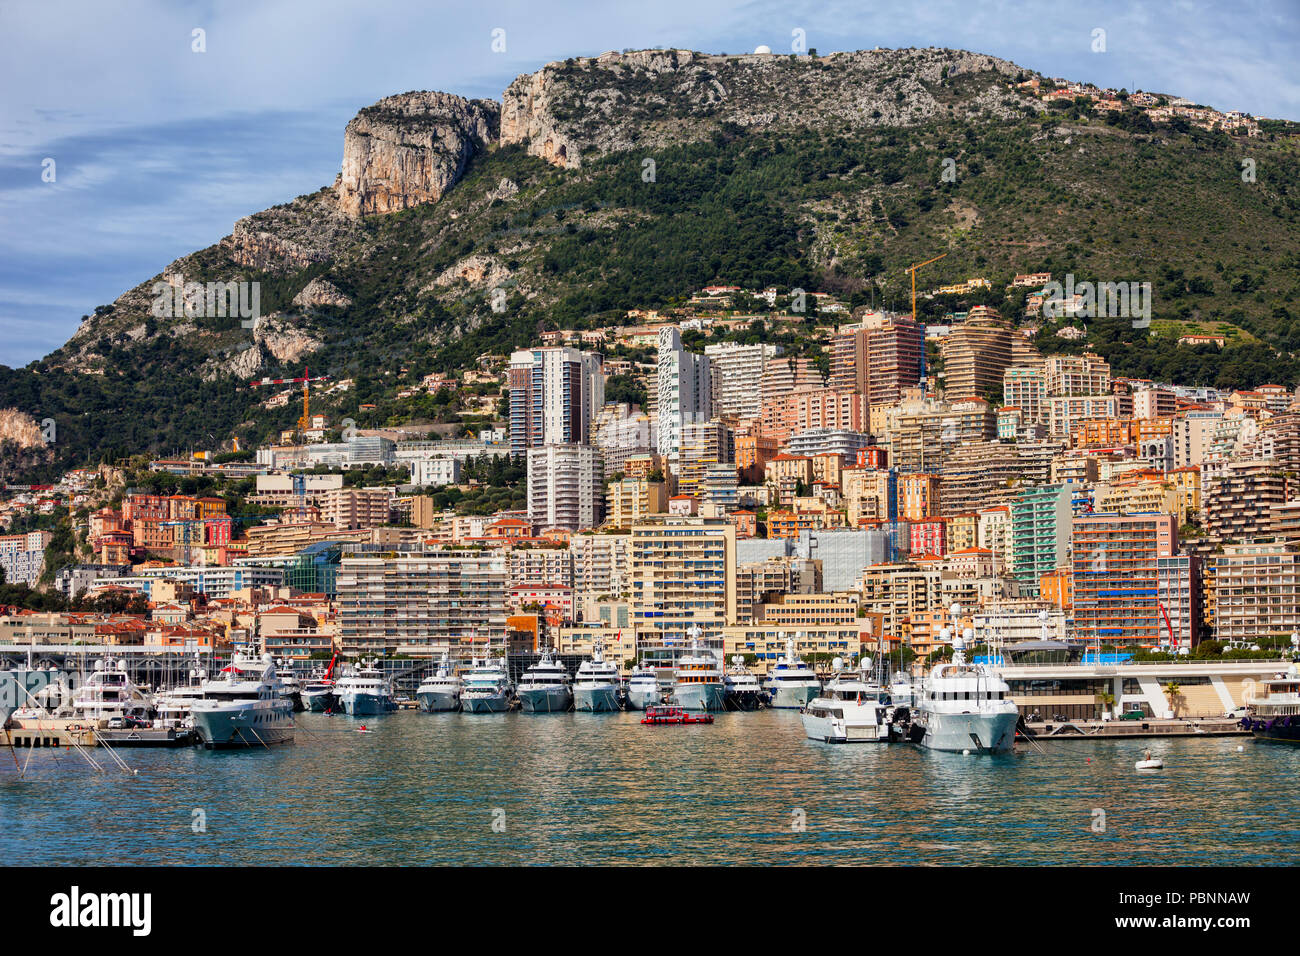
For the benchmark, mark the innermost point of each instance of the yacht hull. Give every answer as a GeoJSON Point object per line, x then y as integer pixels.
{"type": "Point", "coordinates": [699, 696]}
{"type": "Point", "coordinates": [496, 704]}
{"type": "Point", "coordinates": [318, 702]}
{"type": "Point", "coordinates": [595, 700]}
{"type": "Point", "coordinates": [437, 701]}
{"type": "Point", "coordinates": [361, 704]}
{"type": "Point", "coordinates": [979, 732]}
{"type": "Point", "coordinates": [792, 696]}
{"type": "Point", "coordinates": [262, 723]}
{"type": "Point", "coordinates": [545, 700]}
{"type": "Point", "coordinates": [638, 699]}
{"type": "Point", "coordinates": [743, 700]}
{"type": "Point", "coordinates": [847, 730]}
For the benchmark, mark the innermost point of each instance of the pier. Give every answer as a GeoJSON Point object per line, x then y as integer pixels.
{"type": "Point", "coordinates": [1136, 729]}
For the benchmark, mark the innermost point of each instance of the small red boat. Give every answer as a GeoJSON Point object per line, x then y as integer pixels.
{"type": "Point", "coordinates": [673, 715]}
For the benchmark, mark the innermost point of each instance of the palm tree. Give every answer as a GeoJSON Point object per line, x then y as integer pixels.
{"type": "Point", "coordinates": [1172, 691]}
{"type": "Point", "coordinates": [1106, 700]}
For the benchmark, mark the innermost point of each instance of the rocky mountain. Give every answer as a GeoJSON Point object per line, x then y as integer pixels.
{"type": "Point", "coordinates": [457, 227]}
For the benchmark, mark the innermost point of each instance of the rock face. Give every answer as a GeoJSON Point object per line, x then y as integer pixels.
{"type": "Point", "coordinates": [410, 149]}
{"type": "Point", "coordinates": [320, 292]}
{"type": "Point", "coordinates": [292, 236]}
{"type": "Point", "coordinates": [567, 112]}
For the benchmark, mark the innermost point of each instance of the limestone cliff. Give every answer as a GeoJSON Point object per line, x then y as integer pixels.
{"type": "Point", "coordinates": [583, 107]}
{"type": "Point", "coordinates": [410, 149]}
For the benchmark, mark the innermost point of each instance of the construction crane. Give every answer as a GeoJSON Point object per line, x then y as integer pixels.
{"type": "Point", "coordinates": [305, 421]}
{"type": "Point", "coordinates": [912, 269]}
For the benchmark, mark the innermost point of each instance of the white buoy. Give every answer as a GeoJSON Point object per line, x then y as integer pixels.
{"type": "Point", "coordinates": [965, 753]}
{"type": "Point", "coordinates": [1240, 748]}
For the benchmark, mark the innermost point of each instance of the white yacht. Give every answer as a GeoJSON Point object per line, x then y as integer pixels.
{"type": "Point", "coordinates": [1275, 714]}
{"type": "Point", "coordinates": [319, 692]}
{"type": "Point", "coordinates": [289, 681]}
{"type": "Point", "coordinates": [791, 683]}
{"type": "Point", "coordinates": [901, 691]}
{"type": "Point", "coordinates": [597, 685]}
{"type": "Point", "coordinates": [643, 688]}
{"type": "Point", "coordinates": [697, 679]}
{"type": "Point", "coordinates": [852, 709]}
{"type": "Point", "coordinates": [107, 693]}
{"type": "Point", "coordinates": [365, 691]}
{"type": "Point", "coordinates": [486, 689]}
{"type": "Point", "coordinates": [964, 706]}
{"type": "Point", "coordinates": [741, 689]}
{"type": "Point", "coordinates": [244, 707]}
{"type": "Point", "coordinates": [440, 691]}
{"type": "Point", "coordinates": [173, 709]}
{"type": "Point", "coordinates": [545, 687]}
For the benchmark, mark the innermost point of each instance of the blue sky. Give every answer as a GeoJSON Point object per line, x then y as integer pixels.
{"type": "Point", "coordinates": [159, 149]}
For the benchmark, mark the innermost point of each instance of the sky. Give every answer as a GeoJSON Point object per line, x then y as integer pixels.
{"type": "Point", "coordinates": [124, 146]}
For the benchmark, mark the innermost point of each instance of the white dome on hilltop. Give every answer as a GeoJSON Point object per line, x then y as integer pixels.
{"type": "Point", "coordinates": [762, 48]}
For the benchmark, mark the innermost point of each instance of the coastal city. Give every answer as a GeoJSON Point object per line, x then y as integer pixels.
{"type": "Point", "coordinates": [700, 526]}
{"type": "Point", "coordinates": [723, 435]}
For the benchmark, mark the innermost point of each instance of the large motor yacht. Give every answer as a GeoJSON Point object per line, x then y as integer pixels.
{"type": "Point", "coordinates": [244, 706]}
{"type": "Point", "coordinates": [596, 688]}
{"type": "Point", "coordinates": [741, 689]}
{"type": "Point", "coordinates": [643, 688]}
{"type": "Point", "coordinates": [440, 691]}
{"type": "Point", "coordinates": [852, 709]}
{"type": "Point", "coordinates": [964, 706]}
{"type": "Point", "coordinates": [365, 691]}
{"type": "Point", "coordinates": [697, 679]}
{"type": "Point", "coordinates": [545, 687]}
{"type": "Point", "coordinates": [486, 689]}
{"type": "Point", "coordinates": [791, 683]}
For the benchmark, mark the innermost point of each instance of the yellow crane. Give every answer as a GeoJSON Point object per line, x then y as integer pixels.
{"type": "Point", "coordinates": [912, 269]}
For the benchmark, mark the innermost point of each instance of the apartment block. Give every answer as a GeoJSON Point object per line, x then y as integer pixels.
{"type": "Point", "coordinates": [423, 604]}
{"type": "Point", "coordinates": [555, 394]}
{"type": "Point", "coordinates": [1255, 591]}
{"type": "Point", "coordinates": [1040, 532]}
{"type": "Point", "coordinates": [1116, 577]}
{"type": "Point", "coordinates": [565, 486]}
{"type": "Point", "coordinates": [683, 577]}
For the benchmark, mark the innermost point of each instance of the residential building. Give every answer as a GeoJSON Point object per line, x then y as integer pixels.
{"type": "Point", "coordinates": [565, 486]}
{"type": "Point", "coordinates": [555, 394]}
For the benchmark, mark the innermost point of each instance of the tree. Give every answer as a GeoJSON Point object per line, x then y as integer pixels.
{"type": "Point", "coordinates": [1105, 701]}
{"type": "Point", "coordinates": [1172, 692]}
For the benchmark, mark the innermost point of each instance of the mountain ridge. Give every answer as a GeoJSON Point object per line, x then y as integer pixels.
{"type": "Point", "coordinates": [810, 171]}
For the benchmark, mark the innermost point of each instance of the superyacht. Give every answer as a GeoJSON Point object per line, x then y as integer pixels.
{"type": "Point", "coordinates": [643, 688]}
{"type": "Point", "coordinates": [596, 688]}
{"type": "Point", "coordinates": [439, 691]}
{"type": "Point", "coordinates": [244, 707]}
{"type": "Point", "coordinates": [365, 691]}
{"type": "Point", "coordinates": [791, 684]}
{"type": "Point", "coordinates": [697, 680]}
{"type": "Point", "coordinates": [741, 690]}
{"type": "Point", "coordinates": [964, 706]}
{"type": "Point", "coordinates": [486, 689]}
{"type": "Point", "coordinates": [544, 687]}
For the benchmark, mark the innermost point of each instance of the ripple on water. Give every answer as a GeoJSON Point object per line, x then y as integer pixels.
{"type": "Point", "coordinates": [584, 788]}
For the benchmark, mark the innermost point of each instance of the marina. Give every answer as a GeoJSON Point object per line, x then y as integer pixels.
{"type": "Point", "coordinates": [601, 788]}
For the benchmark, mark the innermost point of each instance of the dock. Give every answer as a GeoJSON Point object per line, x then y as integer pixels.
{"type": "Point", "coordinates": [1137, 729]}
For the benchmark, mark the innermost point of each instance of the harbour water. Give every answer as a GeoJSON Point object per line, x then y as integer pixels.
{"type": "Point", "coordinates": [601, 788]}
